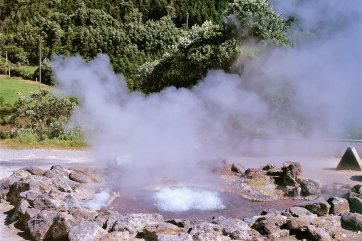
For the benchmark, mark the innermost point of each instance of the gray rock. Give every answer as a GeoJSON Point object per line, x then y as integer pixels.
{"type": "Point", "coordinates": [238, 168]}
{"type": "Point", "coordinates": [235, 228]}
{"type": "Point", "coordinates": [119, 236]}
{"type": "Point", "coordinates": [80, 177]}
{"type": "Point", "coordinates": [133, 223]}
{"type": "Point", "coordinates": [205, 231]}
{"type": "Point", "coordinates": [30, 195]}
{"type": "Point", "coordinates": [320, 208]}
{"type": "Point", "coordinates": [181, 223]}
{"type": "Point", "coordinates": [355, 204]}
{"type": "Point", "coordinates": [62, 223]}
{"type": "Point", "coordinates": [152, 232]}
{"type": "Point", "coordinates": [318, 234]}
{"type": "Point", "coordinates": [298, 211]}
{"type": "Point", "coordinates": [291, 174]}
{"type": "Point", "coordinates": [294, 223]}
{"type": "Point", "coordinates": [175, 237]}
{"type": "Point", "coordinates": [82, 215]}
{"type": "Point", "coordinates": [352, 221]}
{"type": "Point", "coordinates": [39, 226]}
{"type": "Point", "coordinates": [86, 231]}
{"type": "Point", "coordinates": [34, 170]}
{"type": "Point", "coordinates": [357, 189]}
{"type": "Point", "coordinates": [46, 202]}
{"type": "Point", "coordinates": [338, 205]}
{"type": "Point", "coordinates": [310, 187]}
{"type": "Point", "coordinates": [269, 224]}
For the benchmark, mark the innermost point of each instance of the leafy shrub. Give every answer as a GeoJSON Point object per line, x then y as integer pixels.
{"type": "Point", "coordinates": [26, 137]}
{"type": "Point", "coordinates": [42, 113]}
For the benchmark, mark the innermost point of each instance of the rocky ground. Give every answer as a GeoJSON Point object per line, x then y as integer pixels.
{"type": "Point", "coordinates": [52, 204]}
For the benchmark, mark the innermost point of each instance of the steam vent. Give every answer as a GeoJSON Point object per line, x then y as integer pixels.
{"type": "Point", "coordinates": [350, 160]}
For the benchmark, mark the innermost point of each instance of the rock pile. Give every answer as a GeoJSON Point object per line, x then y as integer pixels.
{"type": "Point", "coordinates": [49, 205]}
{"type": "Point", "coordinates": [270, 182]}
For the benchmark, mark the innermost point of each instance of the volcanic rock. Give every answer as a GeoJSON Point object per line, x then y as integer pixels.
{"type": "Point", "coordinates": [301, 222]}
{"type": "Point", "coordinates": [352, 221]}
{"type": "Point", "coordinates": [320, 208]}
{"type": "Point", "coordinates": [338, 205]}
{"type": "Point", "coordinates": [236, 228]}
{"type": "Point", "coordinates": [35, 170]}
{"type": "Point", "coordinates": [205, 231]}
{"type": "Point", "coordinates": [270, 224]}
{"type": "Point", "coordinates": [46, 202]}
{"type": "Point", "coordinates": [350, 160]}
{"type": "Point", "coordinates": [80, 177]}
{"type": "Point", "coordinates": [298, 211]}
{"type": "Point", "coordinates": [62, 223]}
{"type": "Point", "coordinates": [254, 173]}
{"type": "Point", "coordinates": [82, 215]}
{"type": "Point", "coordinates": [181, 223]}
{"type": "Point", "coordinates": [175, 237]}
{"type": "Point", "coordinates": [152, 232]}
{"type": "Point", "coordinates": [317, 234]}
{"type": "Point", "coordinates": [292, 172]}
{"type": "Point", "coordinates": [238, 168]}
{"type": "Point", "coordinates": [310, 187]}
{"type": "Point", "coordinates": [133, 223]}
{"type": "Point", "coordinates": [86, 231]}
{"type": "Point", "coordinates": [357, 189]}
{"type": "Point", "coordinates": [355, 204]}
{"type": "Point", "coordinates": [39, 226]}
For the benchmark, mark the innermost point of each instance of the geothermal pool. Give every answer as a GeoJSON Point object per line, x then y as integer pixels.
{"type": "Point", "coordinates": [192, 203]}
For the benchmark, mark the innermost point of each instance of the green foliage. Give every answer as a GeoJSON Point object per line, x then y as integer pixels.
{"type": "Point", "coordinates": [26, 137]}
{"type": "Point", "coordinates": [47, 76]}
{"type": "Point", "coordinates": [147, 41]}
{"type": "Point", "coordinates": [42, 113]}
{"type": "Point", "coordinates": [257, 19]}
{"type": "Point", "coordinates": [209, 46]}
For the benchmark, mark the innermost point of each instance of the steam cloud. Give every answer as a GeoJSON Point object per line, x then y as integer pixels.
{"type": "Point", "coordinates": [310, 90]}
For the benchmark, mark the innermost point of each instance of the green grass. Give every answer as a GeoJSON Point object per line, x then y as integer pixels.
{"type": "Point", "coordinates": [50, 143]}
{"type": "Point", "coordinates": [10, 87]}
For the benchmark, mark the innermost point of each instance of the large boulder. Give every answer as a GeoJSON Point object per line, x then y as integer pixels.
{"type": "Point", "coordinates": [292, 174]}
{"type": "Point", "coordinates": [270, 225]}
{"type": "Point", "coordinates": [132, 223]}
{"type": "Point", "coordinates": [352, 221]}
{"type": "Point", "coordinates": [46, 202]}
{"type": "Point", "coordinates": [321, 208]}
{"type": "Point", "coordinates": [205, 231]}
{"type": "Point", "coordinates": [317, 234]}
{"type": "Point", "coordinates": [310, 187]}
{"type": "Point", "coordinates": [39, 226]}
{"type": "Point", "coordinates": [238, 168]}
{"type": "Point", "coordinates": [62, 223]}
{"type": "Point", "coordinates": [86, 231]}
{"type": "Point", "coordinates": [355, 204]}
{"type": "Point", "coordinates": [236, 228]}
{"type": "Point", "coordinates": [338, 205]}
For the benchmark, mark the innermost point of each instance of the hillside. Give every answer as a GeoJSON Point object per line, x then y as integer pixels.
{"type": "Point", "coordinates": [12, 88]}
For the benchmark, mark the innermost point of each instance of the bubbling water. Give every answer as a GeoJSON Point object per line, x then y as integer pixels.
{"type": "Point", "coordinates": [181, 199]}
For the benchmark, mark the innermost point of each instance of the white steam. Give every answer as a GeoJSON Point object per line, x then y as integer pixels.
{"type": "Point", "coordinates": [185, 199]}
{"type": "Point", "coordinates": [310, 90]}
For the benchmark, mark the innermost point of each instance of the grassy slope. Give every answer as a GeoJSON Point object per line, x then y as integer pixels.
{"type": "Point", "coordinates": [10, 87]}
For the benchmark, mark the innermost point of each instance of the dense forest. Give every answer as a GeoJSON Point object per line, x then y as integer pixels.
{"type": "Point", "coordinates": [154, 43]}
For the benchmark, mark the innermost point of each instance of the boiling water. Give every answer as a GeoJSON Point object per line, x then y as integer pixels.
{"type": "Point", "coordinates": [192, 203]}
